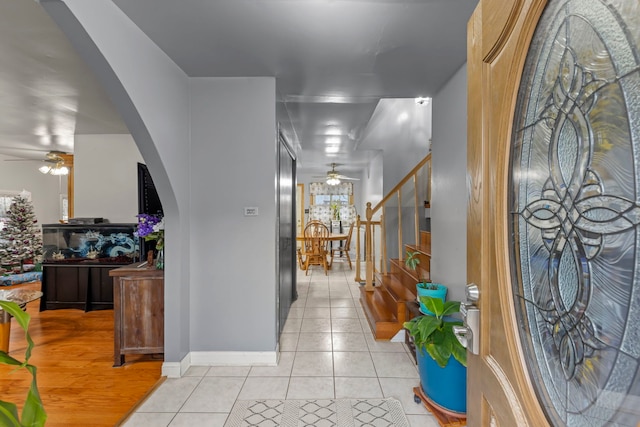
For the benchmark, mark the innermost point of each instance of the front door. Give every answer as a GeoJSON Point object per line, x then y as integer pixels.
{"type": "Point", "coordinates": [287, 292]}
{"type": "Point", "coordinates": [554, 212]}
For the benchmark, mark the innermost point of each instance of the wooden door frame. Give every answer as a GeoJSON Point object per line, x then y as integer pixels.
{"type": "Point", "coordinates": [498, 47]}
{"type": "Point", "coordinates": [68, 162]}
{"type": "Point", "coordinates": [300, 202]}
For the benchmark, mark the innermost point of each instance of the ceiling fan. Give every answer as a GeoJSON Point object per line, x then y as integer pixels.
{"type": "Point", "coordinates": [54, 163]}
{"type": "Point", "coordinates": [333, 176]}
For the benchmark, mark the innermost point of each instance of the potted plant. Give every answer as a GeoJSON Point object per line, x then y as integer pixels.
{"type": "Point", "coordinates": [33, 413]}
{"type": "Point", "coordinates": [442, 360]}
{"type": "Point", "coordinates": [151, 228]}
{"type": "Point", "coordinates": [424, 287]}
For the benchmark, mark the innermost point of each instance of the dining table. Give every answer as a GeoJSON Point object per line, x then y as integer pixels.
{"type": "Point", "coordinates": [333, 237]}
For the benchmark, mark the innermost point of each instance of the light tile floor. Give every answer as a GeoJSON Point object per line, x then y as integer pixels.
{"type": "Point", "coordinates": [327, 351]}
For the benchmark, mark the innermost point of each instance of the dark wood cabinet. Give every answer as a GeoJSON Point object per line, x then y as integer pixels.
{"type": "Point", "coordinates": [138, 311]}
{"type": "Point", "coordinates": [85, 287]}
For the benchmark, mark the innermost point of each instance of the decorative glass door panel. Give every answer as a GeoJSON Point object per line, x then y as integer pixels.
{"type": "Point", "coordinates": [575, 212]}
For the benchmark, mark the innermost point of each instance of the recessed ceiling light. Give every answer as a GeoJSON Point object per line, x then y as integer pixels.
{"type": "Point", "coordinates": [403, 117]}
{"type": "Point", "coordinates": [333, 131]}
{"type": "Point", "coordinates": [330, 149]}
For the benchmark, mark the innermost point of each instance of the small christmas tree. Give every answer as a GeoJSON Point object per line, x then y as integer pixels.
{"type": "Point", "coordinates": [21, 238]}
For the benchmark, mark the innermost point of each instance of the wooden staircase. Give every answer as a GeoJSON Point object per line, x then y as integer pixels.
{"type": "Point", "coordinates": [387, 307]}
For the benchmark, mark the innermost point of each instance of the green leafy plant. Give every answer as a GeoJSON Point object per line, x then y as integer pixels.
{"type": "Point", "coordinates": [33, 413]}
{"type": "Point", "coordinates": [412, 261]}
{"type": "Point", "coordinates": [335, 209]}
{"type": "Point", "coordinates": [435, 334]}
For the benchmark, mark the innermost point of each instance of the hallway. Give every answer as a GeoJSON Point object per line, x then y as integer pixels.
{"type": "Point", "coordinates": [327, 351]}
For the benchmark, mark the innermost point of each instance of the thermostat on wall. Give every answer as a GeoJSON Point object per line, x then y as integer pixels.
{"type": "Point", "coordinates": [253, 211]}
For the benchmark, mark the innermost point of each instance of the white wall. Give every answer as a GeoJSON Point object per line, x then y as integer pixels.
{"type": "Point", "coordinates": [106, 177]}
{"type": "Point", "coordinates": [105, 183]}
{"type": "Point", "coordinates": [372, 183]}
{"type": "Point", "coordinates": [151, 93]}
{"type": "Point", "coordinates": [233, 263]}
{"type": "Point", "coordinates": [402, 130]}
{"type": "Point", "coordinates": [399, 133]}
{"type": "Point", "coordinates": [45, 189]}
{"type": "Point", "coordinates": [207, 164]}
{"type": "Point", "coordinates": [449, 190]}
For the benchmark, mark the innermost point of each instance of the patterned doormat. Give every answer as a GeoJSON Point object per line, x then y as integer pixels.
{"type": "Point", "coordinates": [317, 413]}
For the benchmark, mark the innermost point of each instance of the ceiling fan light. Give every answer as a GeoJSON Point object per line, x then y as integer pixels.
{"type": "Point", "coordinates": [59, 170]}
{"type": "Point", "coordinates": [333, 181]}
{"type": "Point", "coordinates": [44, 169]}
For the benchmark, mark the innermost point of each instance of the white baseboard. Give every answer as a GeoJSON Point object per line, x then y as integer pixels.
{"type": "Point", "coordinates": [234, 358]}
{"type": "Point", "coordinates": [219, 358]}
{"type": "Point", "coordinates": [176, 369]}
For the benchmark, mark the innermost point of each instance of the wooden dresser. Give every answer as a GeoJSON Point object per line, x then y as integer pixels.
{"type": "Point", "coordinates": [138, 309]}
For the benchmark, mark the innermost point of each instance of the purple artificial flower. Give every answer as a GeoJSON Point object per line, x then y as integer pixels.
{"type": "Point", "coordinates": [151, 227]}
{"type": "Point", "coordinates": [145, 224]}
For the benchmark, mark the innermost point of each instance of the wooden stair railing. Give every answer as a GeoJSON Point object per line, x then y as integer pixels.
{"type": "Point", "coordinates": [389, 290]}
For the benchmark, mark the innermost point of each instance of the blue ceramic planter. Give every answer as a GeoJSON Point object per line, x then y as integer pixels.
{"type": "Point", "coordinates": [447, 387]}
{"type": "Point", "coordinates": [441, 293]}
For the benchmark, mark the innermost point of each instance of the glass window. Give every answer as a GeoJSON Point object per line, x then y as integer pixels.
{"type": "Point", "coordinates": [329, 199]}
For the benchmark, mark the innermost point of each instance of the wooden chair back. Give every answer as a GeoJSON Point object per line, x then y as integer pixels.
{"type": "Point", "coordinates": [347, 242]}
{"type": "Point", "coordinates": [316, 236]}
{"type": "Point", "coordinates": [343, 249]}
{"type": "Point", "coordinates": [316, 244]}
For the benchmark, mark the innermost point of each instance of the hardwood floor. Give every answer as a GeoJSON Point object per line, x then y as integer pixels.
{"type": "Point", "coordinates": [77, 381]}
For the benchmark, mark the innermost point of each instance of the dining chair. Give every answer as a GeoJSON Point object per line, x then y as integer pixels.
{"type": "Point", "coordinates": [314, 250]}
{"type": "Point", "coordinates": [344, 248]}
{"type": "Point", "coordinates": [300, 251]}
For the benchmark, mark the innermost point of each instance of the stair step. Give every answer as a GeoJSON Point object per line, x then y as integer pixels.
{"type": "Point", "coordinates": [408, 277]}
{"type": "Point", "coordinates": [383, 323]}
{"type": "Point", "coordinates": [385, 308]}
{"type": "Point", "coordinates": [393, 283]}
{"type": "Point", "coordinates": [425, 239]}
{"type": "Point", "coordinates": [423, 249]}
{"type": "Point", "coordinates": [382, 295]}
{"type": "Point", "coordinates": [424, 266]}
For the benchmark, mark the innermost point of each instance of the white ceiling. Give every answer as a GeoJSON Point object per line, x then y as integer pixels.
{"type": "Point", "coordinates": [333, 61]}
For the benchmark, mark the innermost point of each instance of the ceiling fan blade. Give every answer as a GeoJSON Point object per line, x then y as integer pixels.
{"type": "Point", "coordinates": [55, 155]}
{"type": "Point", "coordinates": [30, 160]}
{"type": "Point", "coordinates": [347, 177]}
{"type": "Point", "coordinates": [50, 157]}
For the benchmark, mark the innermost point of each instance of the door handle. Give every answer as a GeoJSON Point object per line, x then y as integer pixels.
{"type": "Point", "coordinates": [473, 293]}
{"type": "Point", "coordinates": [462, 334]}
{"type": "Point", "coordinates": [471, 333]}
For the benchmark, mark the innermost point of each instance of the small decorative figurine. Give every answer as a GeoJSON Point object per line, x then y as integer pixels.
{"type": "Point", "coordinates": [93, 253]}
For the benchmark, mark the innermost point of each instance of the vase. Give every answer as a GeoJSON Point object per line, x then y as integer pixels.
{"type": "Point", "coordinates": [446, 387]}
{"type": "Point", "coordinates": [423, 291]}
{"type": "Point", "coordinates": [160, 259]}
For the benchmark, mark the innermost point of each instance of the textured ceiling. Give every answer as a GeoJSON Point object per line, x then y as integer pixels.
{"type": "Point", "coordinates": [333, 61]}
{"type": "Point", "coordinates": [48, 93]}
